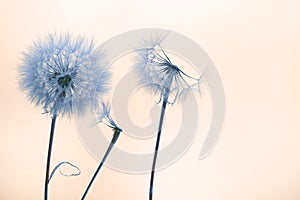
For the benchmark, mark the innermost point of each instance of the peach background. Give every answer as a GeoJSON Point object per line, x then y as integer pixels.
{"type": "Point", "coordinates": [256, 48]}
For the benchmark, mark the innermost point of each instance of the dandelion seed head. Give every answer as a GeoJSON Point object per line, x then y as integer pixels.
{"type": "Point", "coordinates": [63, 74]}
{"type": "Point", "coordinates": [157, 74]}
{"type": "Point", "coordinates": [104, 116]}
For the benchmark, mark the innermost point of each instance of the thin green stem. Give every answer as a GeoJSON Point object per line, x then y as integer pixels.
{"type": "Point", "coordinates": [49, 157]}
{"type": "Point", "coordinates": [112, 143]}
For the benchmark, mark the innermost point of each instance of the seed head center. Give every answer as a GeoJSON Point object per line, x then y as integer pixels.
{"type": "Point", "coordinates": [64, 81]}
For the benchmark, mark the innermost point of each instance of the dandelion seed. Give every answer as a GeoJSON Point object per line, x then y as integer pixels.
{"type": "Point", "coordinates": [106, 119]}
{"type": "Point", "coordinates": [159, 75]}
{"type": "Point", "coordinates": [61, 75]}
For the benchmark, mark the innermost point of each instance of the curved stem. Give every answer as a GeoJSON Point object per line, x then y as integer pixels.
{"type": "Point", "coordinates": [58, 167]}
{"type": "Point", "coordinates": [163, 109]}
{"type": "Point", "coordinates": [112, 143]}
{"type": "Point", "coordinates": [49, 157]}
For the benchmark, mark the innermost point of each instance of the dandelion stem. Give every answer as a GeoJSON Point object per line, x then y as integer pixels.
{"type": "Point", "coordinates": [112, 143]}
{"type": "Point", "coordinates": [49, 156]}
{"type": "Point", "coordinates": [162, 114]}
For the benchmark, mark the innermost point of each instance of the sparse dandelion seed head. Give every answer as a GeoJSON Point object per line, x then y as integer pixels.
{"type": "Point", "coordinates": [158, 74]}
{"type": "Point", "coordinates": [63, 74]}
{"type": "Point", "coordinates": [104, 116]}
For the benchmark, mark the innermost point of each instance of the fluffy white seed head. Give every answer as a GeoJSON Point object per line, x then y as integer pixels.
{"type": "Point", "coordinates": [63, 74]}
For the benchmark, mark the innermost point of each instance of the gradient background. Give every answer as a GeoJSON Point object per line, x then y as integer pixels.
{"type": "Point", "coordinates": [256, 48]}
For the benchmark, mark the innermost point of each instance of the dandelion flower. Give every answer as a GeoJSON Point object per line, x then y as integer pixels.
{"type": "Point", "coordinates": [63, 74]}
{"type": "Point", "coordinates": [159, 75]}
{"type": "Point", "coordinates": [106, 119]}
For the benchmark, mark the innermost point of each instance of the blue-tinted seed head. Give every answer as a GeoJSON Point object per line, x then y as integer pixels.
{"type": "Point", "coordinates": [158, 74]}
{"type": "Point", "coordinates": [64, 74]}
